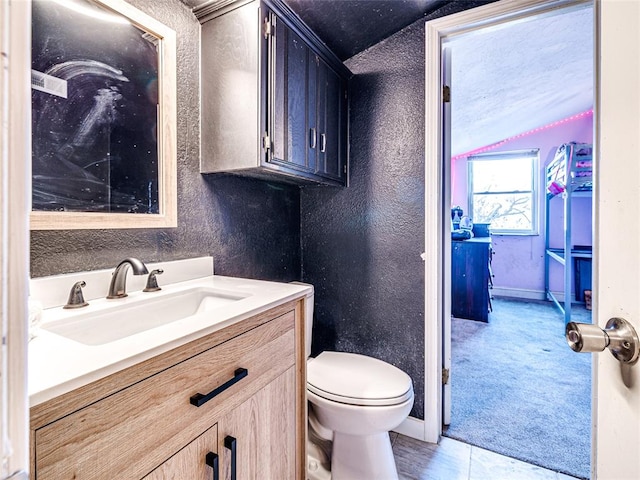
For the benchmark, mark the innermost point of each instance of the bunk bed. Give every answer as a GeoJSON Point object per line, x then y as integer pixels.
{"type": "Point", "coordinates": [569, 175]}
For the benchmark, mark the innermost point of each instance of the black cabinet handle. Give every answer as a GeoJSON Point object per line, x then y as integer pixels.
{"type": "Point", "coordinates": [199, 399]}
{"type": "Point", "coordinates": [230, 443]}
{"type": "Point", "coordinates": [211, 459]}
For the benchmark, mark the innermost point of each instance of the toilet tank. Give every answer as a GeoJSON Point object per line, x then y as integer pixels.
{"type": "Point", "coordinates": [308, 317]}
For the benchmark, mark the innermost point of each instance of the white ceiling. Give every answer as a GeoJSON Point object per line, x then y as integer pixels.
{"type": "Point", "coordinates": [511, 79]}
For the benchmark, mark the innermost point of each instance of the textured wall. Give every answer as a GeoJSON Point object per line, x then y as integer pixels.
{"type": "Point", "coordinates": [251, 227]}
{"type": "Point", "coordinates": [362, 245]}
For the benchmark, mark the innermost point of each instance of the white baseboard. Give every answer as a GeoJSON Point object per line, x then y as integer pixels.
{"type": "Point", "coordinates": [525, 294]}
{"type": "Point", "coordinates": [517, 293]}
{"type": "Point", "coordinates": [411, 427]}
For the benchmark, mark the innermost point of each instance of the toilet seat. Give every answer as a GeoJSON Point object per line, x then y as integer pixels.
{"type": "Point", "coordinates": [355, 379]}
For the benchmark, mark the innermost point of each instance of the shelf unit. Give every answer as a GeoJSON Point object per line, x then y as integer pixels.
{"type": "Point", "coordinates": [568, 176]}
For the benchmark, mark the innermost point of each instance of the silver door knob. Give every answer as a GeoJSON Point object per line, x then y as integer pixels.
{"type": "Point", "coordinates": [618, 336]}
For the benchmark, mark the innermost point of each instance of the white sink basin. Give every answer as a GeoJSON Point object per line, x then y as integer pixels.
{"type": "Point", "coordinates": [117, 319]}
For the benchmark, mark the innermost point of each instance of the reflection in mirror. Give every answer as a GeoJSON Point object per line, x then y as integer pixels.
{"type": "Point", "coordinates": [103, 116]}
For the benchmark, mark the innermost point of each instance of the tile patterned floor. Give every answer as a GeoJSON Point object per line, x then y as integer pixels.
{"type": "Point", "coordinates": [453, 460]}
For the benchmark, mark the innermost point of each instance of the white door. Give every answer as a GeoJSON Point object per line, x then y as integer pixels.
{"type": "Point", "coordinates": [616, 436]}
{"type": "Point", "coordinates": [616, 387]}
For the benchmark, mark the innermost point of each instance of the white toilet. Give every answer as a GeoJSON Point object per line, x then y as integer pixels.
{"type": "Point", "coordinates": [354, 401]}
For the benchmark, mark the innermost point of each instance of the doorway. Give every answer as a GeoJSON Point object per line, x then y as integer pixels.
{"type": "Point", "coordinates": [511, 114]}
{"type": "Point", "coordinates": [446, 197]}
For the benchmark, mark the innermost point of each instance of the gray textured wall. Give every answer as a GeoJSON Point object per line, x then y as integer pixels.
{"type": "Point", "coordinates": [362, 245]}
{"type": "Point", "coordinates": [251, 227]}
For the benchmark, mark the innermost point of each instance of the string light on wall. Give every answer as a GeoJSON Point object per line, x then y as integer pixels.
{"type": "Point", "coordinates": [493, 146]}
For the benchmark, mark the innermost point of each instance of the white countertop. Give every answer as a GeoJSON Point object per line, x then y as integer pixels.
{"type": "Point", "coordinates": [58, 364]}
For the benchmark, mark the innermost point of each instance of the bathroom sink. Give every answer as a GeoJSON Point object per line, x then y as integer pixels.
{"type": "Point", "coordinates": [116, 319]}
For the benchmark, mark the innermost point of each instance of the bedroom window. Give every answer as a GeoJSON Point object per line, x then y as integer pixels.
{"type": "Point", "coordinates": [503, 191]}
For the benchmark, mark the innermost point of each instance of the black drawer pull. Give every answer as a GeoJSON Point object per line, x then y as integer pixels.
{"type": "Point", "coordinates": [199, 399]}
{"type": "Point", "coordinates": [211, 459]}
{"type": "Point", "coordinates": [230, 443]}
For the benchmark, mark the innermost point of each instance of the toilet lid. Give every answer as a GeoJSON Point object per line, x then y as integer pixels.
{"type": "Point", "coordinates": [357, 379]}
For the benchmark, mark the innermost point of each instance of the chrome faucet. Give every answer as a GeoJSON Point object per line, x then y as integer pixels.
{"type": "Point", "coordinates": [118, 288]}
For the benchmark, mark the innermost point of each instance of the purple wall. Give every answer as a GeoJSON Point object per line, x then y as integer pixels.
{"type": "Point", "coordinates": [519, 260]}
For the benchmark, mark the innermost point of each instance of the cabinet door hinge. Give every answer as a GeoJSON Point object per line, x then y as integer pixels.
{"type": "Point", "coordinates": [344, 169]}
{"type": "Point", "coordinates": [266, 141]}
{"type": "Point", "coordinates": [267, 28]}
{"type": "Point", "coordinates": [445, 376]}
{"type": "Point", "coordinates": [446, 93]}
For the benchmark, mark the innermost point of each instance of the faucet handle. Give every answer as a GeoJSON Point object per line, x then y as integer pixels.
{"type": "Point", "coordinates": [152, 281]}
{"type": "Point", "coordinates": [76, 299]}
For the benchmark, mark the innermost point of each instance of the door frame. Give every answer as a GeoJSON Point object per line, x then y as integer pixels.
{"type": "Point", "coordinates": [437, 243]}
{"type": "Point", "coordinates": [15, 203]}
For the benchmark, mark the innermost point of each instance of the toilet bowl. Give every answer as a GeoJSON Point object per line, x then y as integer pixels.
{"type": "Point", "coordinates": [354, 400]}
{"type": "Point", "coordinates": [359, 399]}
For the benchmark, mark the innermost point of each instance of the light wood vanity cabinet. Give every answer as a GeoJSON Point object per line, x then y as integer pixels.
{"type": "Point", "coordinates": [263, 430]}
{"type": "Point", "coordinates": [140, 423]}
{"type": "Point", "coordinates": [191, 461]}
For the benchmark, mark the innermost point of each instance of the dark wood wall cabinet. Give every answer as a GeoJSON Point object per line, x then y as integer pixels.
{"type": "Point", "coordinates": [274, 98]}
{"type": "Point", "coordinates": [471, 279]}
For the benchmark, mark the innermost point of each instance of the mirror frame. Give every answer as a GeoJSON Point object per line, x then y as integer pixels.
{"type": "Point", "coordinates": [167, 142]}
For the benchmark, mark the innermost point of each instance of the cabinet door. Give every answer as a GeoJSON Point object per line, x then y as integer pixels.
{"type": "Point", "coordinates": [193, 462]}
{"type": "Point", "coordinates": [332, 124]}
{"type": "Point", "coordinates": [261, 433]}
{"type": "Point", "coordinates": [308, 111]}
{"type": "Point", "coordinates": [290, 71]}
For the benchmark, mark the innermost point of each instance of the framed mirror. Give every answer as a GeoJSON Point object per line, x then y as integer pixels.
{"type": "Point", "coordinates": [103, 117]}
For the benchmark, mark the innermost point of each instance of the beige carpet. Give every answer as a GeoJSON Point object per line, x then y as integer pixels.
{"type": "Point", "coordinates": [519, 390]}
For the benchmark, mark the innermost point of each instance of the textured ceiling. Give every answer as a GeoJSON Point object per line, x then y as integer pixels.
{"type": "Point", "coordinates": [350, 26]}
{"type": "Point", "coordinates": [520, 76]}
